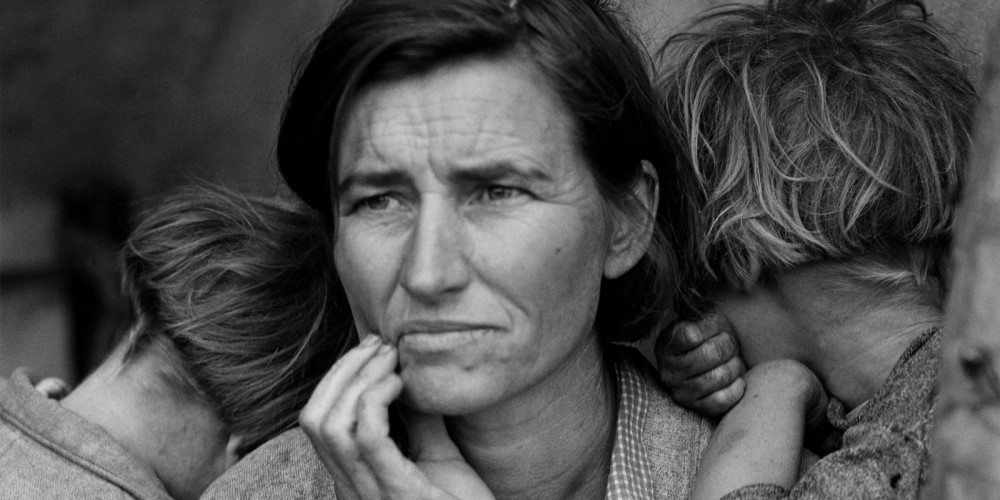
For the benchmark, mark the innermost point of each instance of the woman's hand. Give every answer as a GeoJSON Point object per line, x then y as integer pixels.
{"type": "Point", "coordinates": [700, 365]}
{"type": "Point", "coordinates": [347, 420]}
{"type": "Point", "coordinates": [439, 459]}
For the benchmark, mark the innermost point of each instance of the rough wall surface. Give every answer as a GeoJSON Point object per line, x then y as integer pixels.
{"type": "Point", "coordinates": [146, 92]}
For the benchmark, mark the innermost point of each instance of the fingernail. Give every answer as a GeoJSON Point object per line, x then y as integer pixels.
{"type": "Point", "coordinates": [384, 349]}
{"type": "Point", "coordinates": [370, 340]}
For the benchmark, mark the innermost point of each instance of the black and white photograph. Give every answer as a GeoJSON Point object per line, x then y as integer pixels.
{"type": "Point", "coordinates": [499, 249]}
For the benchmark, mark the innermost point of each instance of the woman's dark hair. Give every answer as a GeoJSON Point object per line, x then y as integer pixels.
{"type": "Point", "coordinates": [590, 58]}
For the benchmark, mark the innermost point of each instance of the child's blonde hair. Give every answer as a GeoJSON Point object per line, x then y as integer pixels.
{"type": "Point", "coordinates": [821, 130]}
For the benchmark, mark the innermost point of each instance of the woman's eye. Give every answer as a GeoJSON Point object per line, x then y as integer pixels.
{"type": "Point", "coordinates": [376, 203]}
{"type": "Point", "coordinates": [500, 193]}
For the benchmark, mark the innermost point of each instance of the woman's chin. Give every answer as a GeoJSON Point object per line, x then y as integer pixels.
{"type": "Point", "coordinates": [441, 396]}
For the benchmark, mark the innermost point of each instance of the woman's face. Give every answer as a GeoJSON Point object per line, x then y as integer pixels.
{"type": "Point", "coordinates": [470, 232]}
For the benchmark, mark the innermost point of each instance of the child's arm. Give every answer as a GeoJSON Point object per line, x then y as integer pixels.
{"type": "Point", "coordinates": [760, 440]}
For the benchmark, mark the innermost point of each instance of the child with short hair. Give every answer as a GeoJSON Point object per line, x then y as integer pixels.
{"type": "Point", "coordinates": [828, 138]}
{"type": "Point", "coordinates": [233, 323]}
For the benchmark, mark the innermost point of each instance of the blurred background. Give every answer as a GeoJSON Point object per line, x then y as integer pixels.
{"type": "Point", "coordinates": [106, 103]}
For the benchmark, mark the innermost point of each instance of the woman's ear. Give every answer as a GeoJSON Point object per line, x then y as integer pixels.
{"type": "Point", "coordinates": [633, 227]}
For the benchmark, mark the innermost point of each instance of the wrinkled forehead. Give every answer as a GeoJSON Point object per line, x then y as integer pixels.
{"type": "Point", "coordinates": [472, 111]}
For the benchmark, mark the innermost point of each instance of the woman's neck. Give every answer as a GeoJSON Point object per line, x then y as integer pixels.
{"type": "Point", "coordinates": [181, 440]}
{"type": "Point", "coordinates": [548, 441]}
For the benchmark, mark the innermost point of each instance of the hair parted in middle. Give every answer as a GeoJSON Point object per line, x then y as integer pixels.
{"type": "Point", "coordinates": [587, 54]}
{"type": "Point", "coordinates": [234, 297]}
{"type": "Point", "coordinates": [821, 130]}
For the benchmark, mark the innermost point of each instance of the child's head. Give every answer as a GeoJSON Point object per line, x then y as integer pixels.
{"type": "Point", "coordinates": [822, 130]}
{"type": "Point", "coordinates": [232, 296]}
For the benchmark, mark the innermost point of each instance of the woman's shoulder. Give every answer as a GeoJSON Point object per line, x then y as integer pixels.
{"type": "Point", "coordinates": [671, 438]}
{"type": "Point", "coordinates": [285, 467]}
{"type": "Point", "coordinates": [639, 388]}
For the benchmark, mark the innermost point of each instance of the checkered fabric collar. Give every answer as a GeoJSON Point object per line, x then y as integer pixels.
{"type": "Point", "coordinates": [630, 476]}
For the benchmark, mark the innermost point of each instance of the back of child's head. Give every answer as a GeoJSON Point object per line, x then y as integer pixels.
{"type": "Point", "coordinates": [822, 130]}
{"type": "Point", "coordinates": [233, 295]}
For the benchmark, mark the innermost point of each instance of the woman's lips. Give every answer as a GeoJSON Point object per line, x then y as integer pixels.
{"type": "Point", "coordinates": [429, 338]}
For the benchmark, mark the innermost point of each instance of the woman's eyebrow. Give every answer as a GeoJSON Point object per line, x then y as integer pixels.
{"type": "Point", "coordinates": [381, 179]}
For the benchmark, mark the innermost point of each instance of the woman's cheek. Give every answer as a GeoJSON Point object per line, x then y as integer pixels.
{"type": "Point", "coordinates": [551, 267]}
{"type": "Point", "coordinates": [365, 272]}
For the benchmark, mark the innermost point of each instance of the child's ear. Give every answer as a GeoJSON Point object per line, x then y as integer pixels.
{"type": "Point", "coordinates": [234, 450]}
{"type": "Point", "coordinates": [633, 229]}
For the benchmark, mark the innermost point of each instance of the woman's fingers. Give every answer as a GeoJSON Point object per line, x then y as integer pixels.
{"type": "Point", "coordinates": [331, 413]}
{"type": "Point", "coordinates": [372, 431]}
{"type": "Point", "coordinates": [344, 415]}
{"type": "Point", "coordinates": [384, 471]}
{"type": "Point", "coordinates": [394, 474]}
{"type": "Point", "coordinates": [344, 370]}
{"type": "Point", "coordinates": [347, 420]}
{"type": "Point", "coordinates": [331, 418]}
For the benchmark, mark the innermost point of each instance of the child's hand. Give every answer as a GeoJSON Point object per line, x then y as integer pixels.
{"type": "Point", "coordinates": [50, 387]}
{"type": "Point", "coordinates": [699, 361]}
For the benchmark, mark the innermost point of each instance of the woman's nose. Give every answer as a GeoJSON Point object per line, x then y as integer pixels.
{"type": "Point", "coordinates": [435, 265]}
